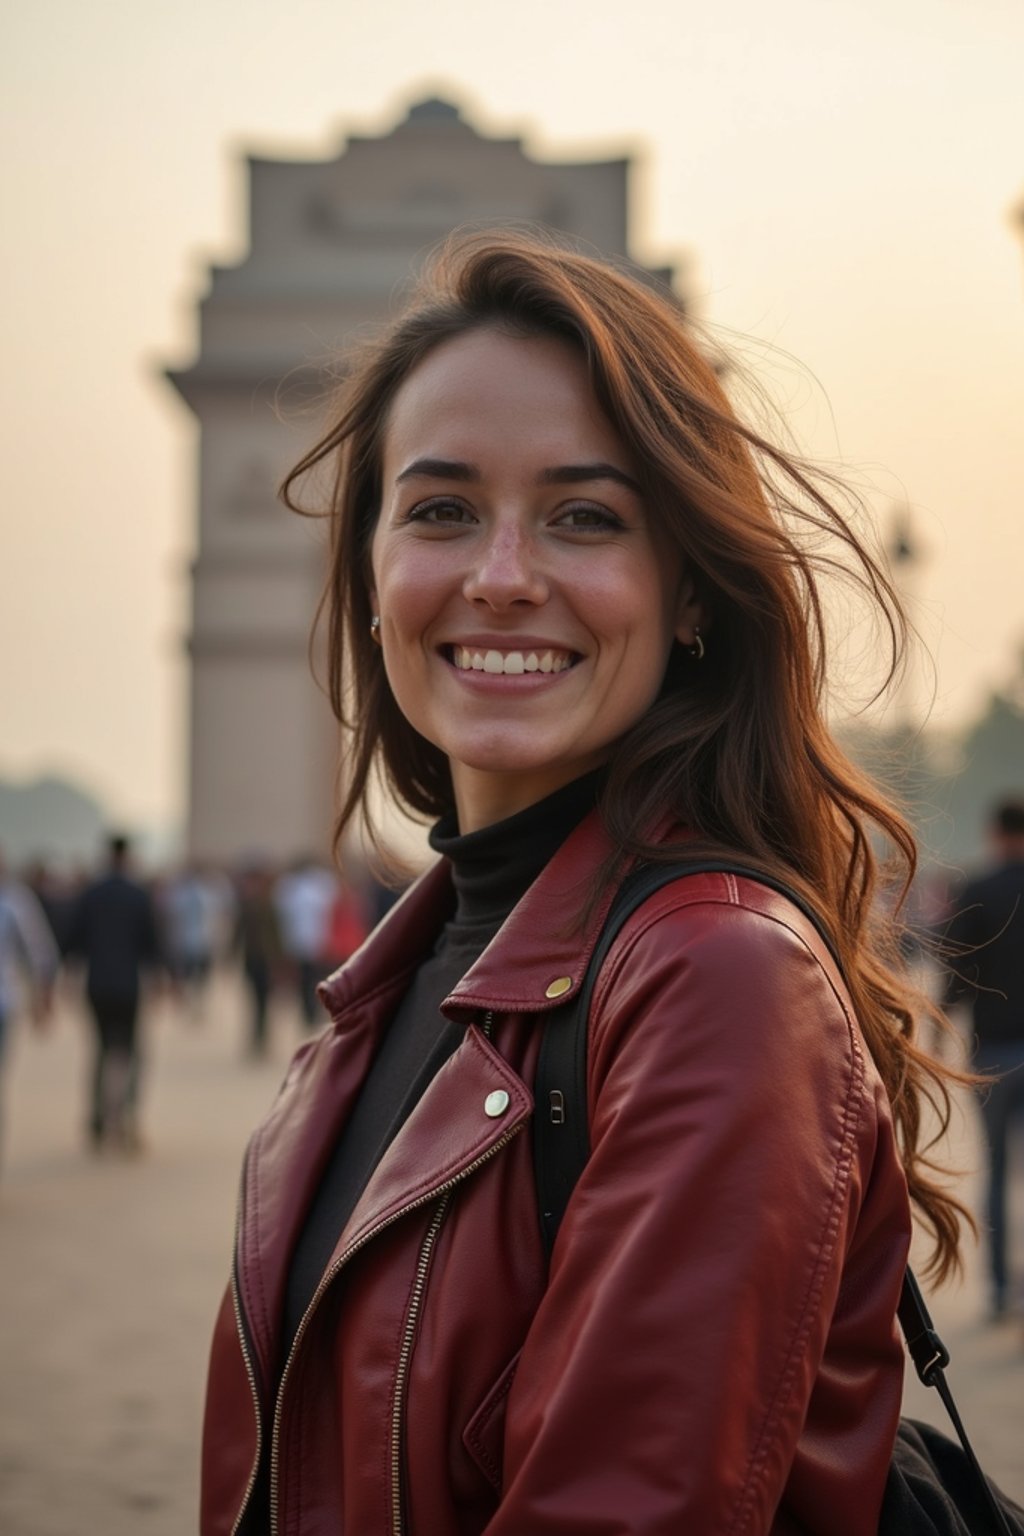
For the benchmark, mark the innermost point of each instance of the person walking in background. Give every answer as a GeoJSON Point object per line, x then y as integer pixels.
{"type": "Point", "coordinates": [55, 892]}
{"type": "Point", "coordinates": [258, 941]}
{"type": "Point", "coordinates": [304, 896]}
{"type": "Point", "coordinates": [27, 952]}
{"type": "Point", "coordinates": [113, 930]}
{"type": "Point", "coordinates": [195, 910]}
{"type": "Point", "coordinates": [347, 925]}
{"type": "Point", "coordinates": [984, 942]}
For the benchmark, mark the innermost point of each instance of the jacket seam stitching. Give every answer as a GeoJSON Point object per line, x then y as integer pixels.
{"type": "Point", "coordinates": [474, 1437]}
{"type": "Point", "coordinates": [815, 1284]}
{"type": "Point", "coordinates": [516, 1002]}
{"type": "Point", "coordinates": [259, 1292]}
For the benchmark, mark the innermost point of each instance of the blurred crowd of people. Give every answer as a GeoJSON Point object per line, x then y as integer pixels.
{"type": "Point", "coordinates": [288, 928]}
{"type": "Point", "coordinates": [285, 928]}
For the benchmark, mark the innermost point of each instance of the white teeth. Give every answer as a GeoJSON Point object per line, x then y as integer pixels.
{"type": "Point", "coordinates": [510, 663]}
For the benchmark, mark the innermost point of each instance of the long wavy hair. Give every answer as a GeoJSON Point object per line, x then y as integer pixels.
{"type": "Point", "coordinates": [736, 746]}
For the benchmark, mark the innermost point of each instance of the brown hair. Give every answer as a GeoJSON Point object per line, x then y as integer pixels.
{"type": "Point", "coordinates": [736, 746]}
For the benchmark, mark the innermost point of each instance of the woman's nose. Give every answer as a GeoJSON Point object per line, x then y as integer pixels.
{"type": "Point", "coordinates": [505, 570]}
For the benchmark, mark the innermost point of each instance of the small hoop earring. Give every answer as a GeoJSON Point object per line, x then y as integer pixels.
{"type": "Point", "coordinates": [375, 628]}
{"type": "Point", "coordinates": [697, 648]}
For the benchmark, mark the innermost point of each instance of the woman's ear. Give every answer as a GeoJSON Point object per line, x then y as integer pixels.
{"type": "Point", "coordinates": [691, 613]}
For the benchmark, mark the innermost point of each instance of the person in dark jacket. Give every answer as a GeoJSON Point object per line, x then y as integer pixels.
{"type": "Point", "coordinates": [574, 619]}
{"type": "Point", "coordinates": [112, 929]}
{"type": "Point", "coordinates": [257, 939]}
{"type": "Point", "coordinates": [985, 944]}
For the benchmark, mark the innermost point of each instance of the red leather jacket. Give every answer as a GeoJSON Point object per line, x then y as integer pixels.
{"type": "Point", "coordinates": [714, 1348]}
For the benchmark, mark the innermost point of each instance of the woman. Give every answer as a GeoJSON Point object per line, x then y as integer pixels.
{"type": "Point", "coordinates": [571, 616]}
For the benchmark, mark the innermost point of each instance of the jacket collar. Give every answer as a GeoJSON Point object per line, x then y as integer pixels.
{"type": "Point", "coordinates": [538, 958]}
{"type": "Point", "coordinates": [401, 941]}
{"type": "Point", "coordinates": [540, 947]}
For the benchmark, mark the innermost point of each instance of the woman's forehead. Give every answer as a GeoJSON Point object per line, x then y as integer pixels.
{"type": "Point", "coordinates": [487, 394]}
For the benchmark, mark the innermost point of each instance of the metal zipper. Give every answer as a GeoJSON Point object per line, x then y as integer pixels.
{"type": "Point", "coordinates": [405, 1356]}
{"type": "Point", "coordinates": [250, 1369]}
{"type": "Point", "coordinates": [440, 1192]}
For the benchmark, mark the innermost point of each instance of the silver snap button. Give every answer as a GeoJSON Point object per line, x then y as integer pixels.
{"type": "Point", "coordinates": [496, 1103]}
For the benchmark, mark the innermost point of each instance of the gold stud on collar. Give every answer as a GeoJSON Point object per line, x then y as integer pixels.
{"type": "Point", "coordinates": [559, 987]}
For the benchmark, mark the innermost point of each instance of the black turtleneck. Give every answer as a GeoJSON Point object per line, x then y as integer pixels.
{"type": "Point", "coordinates": [491, 871]}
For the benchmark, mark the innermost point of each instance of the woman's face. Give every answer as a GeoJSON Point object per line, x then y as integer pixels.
{"type": "Point", "coordinates": [527, 603]}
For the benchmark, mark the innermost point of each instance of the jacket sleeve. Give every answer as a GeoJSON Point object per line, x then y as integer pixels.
{"type": "Point", "coordinates": [668, 1372]}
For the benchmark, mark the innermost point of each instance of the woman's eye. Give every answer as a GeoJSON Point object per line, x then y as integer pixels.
{"type": "Point", "coordinates": [587, 516]}
{"type": "Point", "coordinates": [440, 512]}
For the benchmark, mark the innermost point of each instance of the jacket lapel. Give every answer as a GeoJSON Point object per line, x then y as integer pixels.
{"type": "Point", "coordinates": [472, 1106]}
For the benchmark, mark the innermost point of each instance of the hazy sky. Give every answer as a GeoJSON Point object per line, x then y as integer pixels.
{"type": "Point", "coordinates": [837, 175]}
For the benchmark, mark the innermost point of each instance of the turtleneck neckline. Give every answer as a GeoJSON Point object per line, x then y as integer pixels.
{"type": "Point", "coordinates": [494, 866]}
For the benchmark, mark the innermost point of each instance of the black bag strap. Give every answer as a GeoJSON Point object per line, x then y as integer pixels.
{"type": "Point", "coordinates": [561, 1134]}
{"type": "Point", "coordinates": [930, 1357]}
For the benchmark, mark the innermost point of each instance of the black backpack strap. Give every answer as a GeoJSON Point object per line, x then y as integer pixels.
{"type": "Point", "coordinates": [561, 1135]}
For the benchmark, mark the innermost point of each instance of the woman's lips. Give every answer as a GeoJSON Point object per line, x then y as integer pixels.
{"type": "Point", "coordinates": [510, 663]}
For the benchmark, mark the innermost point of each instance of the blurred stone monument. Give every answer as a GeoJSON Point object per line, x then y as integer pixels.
{"type": "Point", "coordinates": [332, 245]}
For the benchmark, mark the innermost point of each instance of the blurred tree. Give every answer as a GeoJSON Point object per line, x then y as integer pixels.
{"type": "Point", "coordinates": [992, 767]}
{"type": "Point", "coordinates": [49, 818]}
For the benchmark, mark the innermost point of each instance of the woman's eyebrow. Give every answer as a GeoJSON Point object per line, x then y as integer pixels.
{"type": "Point", "coordinates": [578, 474]}
{"type": "Point", "coordinates": [561, 474]}
{"type": "Point", "coordinates": [438, 469]}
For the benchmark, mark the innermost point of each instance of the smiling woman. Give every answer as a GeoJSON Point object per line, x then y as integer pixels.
{"type": "Point", "coordinates": [573, 617]}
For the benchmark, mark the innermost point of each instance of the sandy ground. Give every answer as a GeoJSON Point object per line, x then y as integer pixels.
{"type": "Point", "coordinates": [112, 1269]}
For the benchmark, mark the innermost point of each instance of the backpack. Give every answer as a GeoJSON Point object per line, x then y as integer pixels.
{"type": "Point", "coordinates": [935, 1486]}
